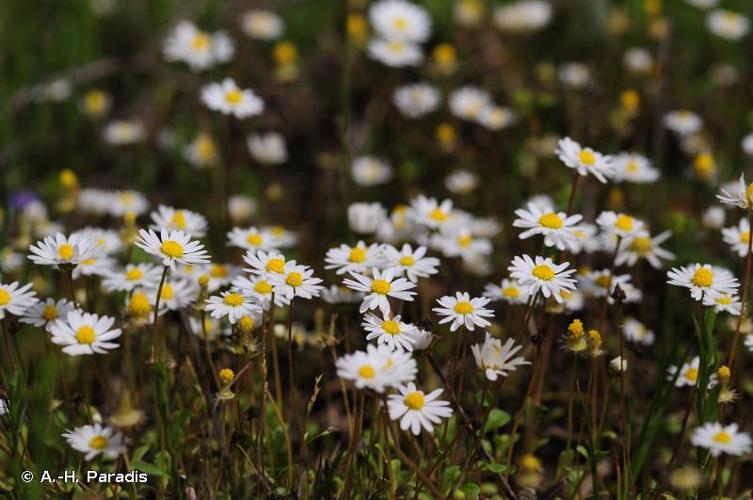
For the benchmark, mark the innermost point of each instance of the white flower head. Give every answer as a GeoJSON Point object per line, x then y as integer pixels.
{"type": "Point", "coordinates": [377, 368]}
{"type": "Point", "coordinates": [61, 250]}
{"type": "Point", "coordinates": [413, 264]}
{"type": "Point", "coordinates": [728, 24]}
{"type": "Point", "coordinates": [379, 289]}
{"type": "Point", "coordinates": [262, 24]}
{"type": "Point", "coordinates": [703, 279]}
{"type": "Point", "coordinates": [400, 20]}
{"type": "Point", "coordinates": [391, 331]}
{"type": "Point", "coordinates": [16, 300]}
{"type": "Point", "coordinates": [739, 195]}
{"type": "Point", "coordinates": [543, 275]}
{"type": "Point", "coordinates": [523, 16]}
{"type": "Point", "coordinates": [417, 410]}
{"type": "Point", "coordinates": [556, 227]}
{"type": "Point", "coordinates": [584, 160]}
{"type": "Point", "coordinates": [636, 332]}
{"type": "Point", "coordinates": [296, 281]}
{"type": "Point", "coordinates": [496, 359]}
{"type": "Point", "coordinates": [44, 313]}
{"type": "Point", "coordinates": [416, 100]}
{"type": "Point", "coordinates": [395, 53]}
{"type": "Point", "coordinates": [359, 258]}
{"type": "Point", "coordinates": [234, 305]}
{"type": "Point", "coordinates": [508, 291]}
{"type": "Point", "coordinates": [268, 149]}
{"type": "Point", "coordinates": [366, 218]}
{"type": "Point", "coordinates": [718, 439]}
{"type": "Point", "coordinates": [642, 245]}
{"type": "Point", "coordinates": [95, 440]}
{"type": "Point", "coordinates": [172, 247]}
{"type": "Point", "coordinates": [462, 310]}
{"type": "Point", "coordinates": [199, 49]}
{"type": "Point", "coordinates": [632, 167]}
{"type": "Point", "coordinates": [175, 219]}
{"type": "Point", "coordinates": [229, 99]}
{"type": "Point", "coordinates": [84, 333]}
{"type": "Point", "coordinates": [682, 122]}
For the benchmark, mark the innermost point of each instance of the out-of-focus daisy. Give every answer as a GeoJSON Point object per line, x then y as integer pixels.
{"type": "Point", "coordinates": [133, 276]}
{"type": "Point", "coordinates": [251, 238]}
{"type": "Point", "coordinates": [508, 291]}
{"type": "Point", "coordinates": [713, 217]}
{"type": "Point", "coordinates": [228, 98]}
{"type": "Point", "coordinates": [84, 333]}
{"type": "Point", "coordinates": [359, 258]}
{"type": "Point", "coordinates": [172, 247]}
{"type": "Point", "coordinates": [723, 302]}
{"type": "Point", "coordinates": [689, 373]}
{"type": "Point", "coordinates": [60, 250]}
{"type": "Point", "coordinates": [199, 49]}
{"type": "Point", "coordinates": [602, 283]}
{"type": "Point", "coordinates": [619, 224]}
{"type": "Point", "coordinates": [469, 13]}
{"type": "Point", "coordinates": [123, 202]}
{"type": "Point", "coordinates": [42, 314]}
{"type": "Point", "coordinates": [175, 295]}
{"type": "Point", "coordinates": [123, 132]}
{"type": "Point", "coordinates": [702, 4]}
{"type": "Point", "coordinates": [682, 122]}
{"type": "Point", "coordinates": [416, 100]}
{"type": "Point", "coordinates": [16, 300]}
{"type": "Point", "coordinates": [262, 24]}
{"type": "Point", "coordinates": [468, 102]}
{"type": "Point", "coordinates": [267, 149]}
{"type": "Point", "coordinates": [524, 16]}
{"type": "Point", "coordinates": [584, 160]}
{"type": "Point", "coordinates": [296, 281]}
{"type": "Point", "coordinates": [390, 331]}
{"type": "Point", "coordinates": [429, 212]}
{"type": "Point", "coordinates": [718, 439]}
{"type": "Point", "coordinates": [543, 275]}
{"type": "Point", "coordinates": [643, 246]}
{"type": "Point", "coordinates": [496, 117]}
{"type": "Point", "coordinates": [260, 289]}
{"type": "Point", "coordinates": [461, 182]}
{"type": "Point", "coordinates": [574, 75]}
{"type": "Point", "coordinates": [177, 219]}
{"type": "Point", "coordinates": [632, 167]}
{"type": "Point", "coordinates": [556, 227]}
{"type": "Point", "coordinates": [233, 305]}
{"type": "Point", "coordinates": [202, 151]}
{"type": "Point", "coordinates": [638, 60]}
{"type": "Point", "coordinates": [417, 410]}
{"type": "Point", "coordinates": [370, 171]}
{"type": "Point", "coordinates": [379, 288]}
{"type": "Point", "coordinates": [703, 279]}
{"type": "Point", "coordinates": [366, 218]}
{"type": "Point", "coordinates": [95, 440]}
{"type": "Point", "coordinates": [341, 295]}
{"type": "Point", "coordinates": [240, 207]}
{"type": "Point", "coordinates": [496, 359]}
{"type": "Point", "coordinates": [408, 262]}
{"type": "Point", "coordinates": [94, 266]}
{"type": "Point", "coordinates": [636, 332]}
{"type": "Point", "coordinates": [738, 237]}
{"type": "Point", "coordinates": [727, 24]}
{"type": "Point", "coordinates": [462, 310]}
{"type": "Point", "coordinates": [395, 53]}
{"type": "Point", "coordinates": [400, 20]}
{"type": "Point", "coordinates": [377, 367]}
{"type": "Point", "coordinates": [95, 103]}
{"type": "Point", "coordinates": [460, 242]}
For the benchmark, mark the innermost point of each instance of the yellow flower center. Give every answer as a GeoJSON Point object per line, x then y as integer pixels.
{"type": "Point", "coordinates": [205, 147]}
{"type": "Point", "coordinates": [179, 219]}
{"type": "Point", "coordinates": [744, 236]}
{"type": "Point", "coordinates": [366, 371]}
{"type": "Point", "coordinates": [89, 262]}
{"type": "Point", "coordinates": [414, 400]}
{"type": "Point", "coordinates": [641, 245]}
{"type": "Point", "coordinates": [400, 23]}
{"type": "Point", "coordinates": [233, 96]}
{"type": "Point", "coordinates": [200, 42]}
{"type": "Point", "coordinates": [724, 300]}
{"type": "Point", "coordinates": [276, 265]}
{"type": "Point", "coordinates": [632, 166]}
{"type": "Point", "coordinates": [263, 287]}
{"type": "Point", "coordinates": [603, 280]}
{"type": "Point", "coordinates": [691, 374]}
{"type": "Point", "coordinates": [463, 307]}
{"type": "Point", "coordinates": [407, 261]}
{"type": "Point", "coordinates": [704, 165]}
{"type": "Point", "coordinates": [86, 335]}
{"type": "Point", "coordinates": [167, 292]}
{"type": "Point", "coordinates": [543, 272]}
{"type": "Point", "coordinates": [357, 255]}
{"type": "Point", "coordinates": [226, 375]}
{"type": "Point", "coordinates": [396, 46]}
{"type": "Point", "coordinates": [391, 327]}
{"type": "Point", "coordinates": [172, 249]}
{"type": "Point", "coordinates": [254, 239]}
{"type": "Point", "coordinates": [49, 313]}
{"type": "Point", "coordinates": [464, 240]}
{"type": "Point", "coordinates": [438, 215]}
{"type": "Point", "coordinates": [4, 297]}
{"type": "Point", "coordinates": [624, 222]}
{"type": "Point", "coordinates": [749, 193]}
{"type": "Point", "coordinates": [233, 299]}
{"type": "Point", "coordinates": [246, 323]}
{"type": "Point", "coordinates": [98, 443]}
{"type": "Point", "coordinates": [510, 292]}
{"type": "Point", "coordinates": [134, 274]}
{"type": "Point", "coordinates": [703, 277]}
{"type": "Point", "coordinates": [139, 305]}
{"type": "Point", "coordinates": [294, 279]}
{"type": "Point", "coordinates": [551, 221]}
{"type": "Point", "coordinates": [587, 157]}
{"type": "Point", "coordinates": [722, 437]}
{"type": "Point", "coordinates": [381, 287]}
{"type": "Point", "coordinates": [65, 251]}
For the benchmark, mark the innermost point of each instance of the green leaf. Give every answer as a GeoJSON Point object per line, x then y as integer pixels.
{"type": "Point", "coordinates": [497, 418]}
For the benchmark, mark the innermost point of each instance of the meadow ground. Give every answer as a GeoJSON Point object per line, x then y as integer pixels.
{"type": "Point", "coordinates": [376, 249]}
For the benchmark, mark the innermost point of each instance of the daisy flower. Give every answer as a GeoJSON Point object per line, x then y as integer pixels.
{"type": "Point", "coordinates": [262, 24]}
{"type": "Point", "coordinates": [267, 149]}
{"type": "Point", "coordinates": [703, 279]}
{"type": "Point", "coordinates": [728, 24]}
{"type": "Point", "coordinates": [377, 367]}
{"type": "Point", "coordinates": [379, 288]}
{"type": "Point", "coordinates": [260, 288]}
{"type": "Point", "coordinates": [395, 53]}
{"type": "Point", "coordinates": [585, 239]}
{"type": "Point", "coordinates": [370, 171]}
{"type": "Point", "coordinates": [264, 263]}
{"type": "Point", "coordinates": [84, 333]}
{"type": "Point", "coordinates": [603, 282]}
{"type": "Point", "coordinates": [108, 240]}
{"type": "Point", "coordinates": [201, 152]}
{"type": "Point", "coordinates": [429, 212]}
{"type": "Point", "coordinates": [584, 160]}
{"type": "Point", "coordinates": [718, 439]}
{"type": "Point", "coordinates": [251, 239]}
{"type": "Point", "coordinates": [738, 237]}
{"type": "Point", "coordinates": [172, 247]}
{"type": "Point", "coordinates": [219, 275]}
{"type": "Point", "coordinates": [408, 262]}
{"type": "Point", "coordinates": [341, 295]}
{"type": "Point", "coordinates": [229, 99]}
{"type": "Point", "coordinates": [43, 314]}
{"type": "Point", "coordinates": [234, 305]}
{"type": "Point", "coordinates": [496, 359]}
{"type": "Point", "coordinates": [400, 20]}
{"type": "Point", "coordinates": [619, 224]}
{"type": "Point", "coordinates": [523, 16]}
{"type": "Point", "coordinates": [632, 167]}
{"type": "Point", "coordinates": [60, 250]}
{"type": "Point", "coordinates": [723, 302]}
{"type": "Point", "coordinates": [740, 195]}
{"type": "Point", "coordinates": [461, 182]}
{"type": "Point", "coordinates": [542, 275]}
{"type": "Point", "coordinates": [390, 331]}
{"type": "Point", "coordinates": [175, 295]}
{"type": "Point", "coordinates": [122, 202]}
{"type": "Point", "coordinates": [94, 266]}
{"type": "Point", "coordinates": [636, 332]}
{"type": "Point", "coordinates": [296, 281]}
{"type": "Point", "coordinates": [417, 410]}
{"type": "Point", "coordinates": [198, 49]}
{"type": "Point", "coordinates": [366, 218]}
{"type": "Point", "coordinates": [16, 300]}
{"type": "Point", "coordinates": [556, 227]}
{"type": "Point", "coordinates": [689, 373]}
{"type": "Point", "coordinates": [173, 219]}
{"type": "Point", "coordinates": [416, 100]}
{"type": "Point", "coordinates": [462, 310]}
{"type": "Point", "coordinates": [460, 242]}
{"type": "Point", "coordinates": [359, 258]}
{"type": "Point", "coordinates": [682, 122]}
{"type": "Point", "coordinates": [642, 246]}
{"type": "Point", "coordinates": [508, 291]}
{"type": "Point", "coordinates": [124, 132]}
{"type": "Point", "coordinates": [95, 440]}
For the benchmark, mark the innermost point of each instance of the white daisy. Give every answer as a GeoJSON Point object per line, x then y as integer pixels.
{"type": "Point", "coordinates": [16, 300]}
{"type": "Point", "coordinates": [198, 49]}
{"type": "Point", "coordinates": [370, 171]}
{"type": "Point", "coordinates": [462, 310]}
{"type": "Point", "coordinates": [267, 149]}
{"type": "Point", "coordinates": [719, 439]}
{"type": "Point", "coordinates": [416, 100]}
{"type": "Point", "coordinates": [738, 237]}
{"type": "Point", "coordinates": [60, 250]}
{"type": "Point", "coordinates": [95, 440]}
{"type": "Point", "coordinates": [201, 152]}
{"type": "Point", "coordinates": [727, 24]}
{"type": "Point", "coordinates": [689, 373]}
{"type": "Point", "coordinates": [42, 314]}
{"type": "Point", "coordinates": [469, 102]}
{"type": "Point", "coordinates": [461, 182]}
{"type": "Point", "coordinates": [262, 24]}
{"type": "Point", "coordinates": [260, 288]}
{"type": "Point", "coordinates": [408, 262]}
{"type": "Point", "coordinates": [107, 239]}
{"type": "Point", "coordinates": [523, 16]}
{"type": "Point", "coordinates": [542, 275]}
{"type": "Point", "coordinates": [379, 288]}
{"type": "Point", "coordinates": [632, 167]}
{"type": "Point", "coordinates": [377, 367]}
{"type": "Point", "coordinates": [341, 295]}
{"type": "Point", "coordinates": [556, 227]}
{"type": "Point", "coordinates": [723, 302]}
{"type": "Point", "coordinates": [390, 331]}
{"type": "Point", "coordinates": [458, 241]}
{"type": "Point", "coordinates": [233, 305]}
{"type": "Point", "coordinates": [395, 53]}
{"type": "Point", "coordinates": [638, 60]}
{"type": "Point", "coordinates": [642, 246]}
{"type": "Point", "coordinates": [417, 410]}
{"type": "Point", "coordinates": [619, 224]}
{"type": "Point", "coordinates": [366, 218]}
{"type": "Point", "coordinates": [359, 258]}
{"type": "Point", "coordinates": [508, 291]}
{"type": "Point", "coordinates": [682, 122]}
{"type": "Point", "coordinates": [172, 247]}
{"type": "Point", "coordinates": [264, 263]}
{"type": "Point", "coordinates": [84, 333]}
{"type": "Point", "coordinates": [296, 281]}
{"type": "Point", "coordinates": [584, 160]}
{"type": "Point", "coordinates": [400, 20]}
{"type": "Point", "coordinates": [124, 132]}
{"type": "Point", "coordinates": [228, 98]}
{"type": "Point", "coordinates": [120, 203]}
{"type": "Point", "coordinates": [496, 117]}
{"type": "Point", "coordinates": [133, 276]}
{"type": "Point", "coordinates": [176, 294]}
{"type": "Point", "coordinates": [702, 279]}
{"type": "Point", "coordinates": [636, 332]}
{"type": "Point", "coordinates": [496, 359]}
{"type": "Point", "coordinates": [173, 219]}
